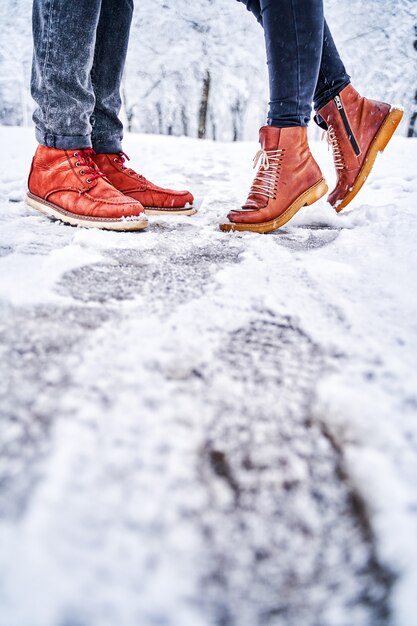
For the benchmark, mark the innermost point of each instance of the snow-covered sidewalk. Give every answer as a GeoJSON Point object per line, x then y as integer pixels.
{"type": "Point", "coordinates": [200, 428]}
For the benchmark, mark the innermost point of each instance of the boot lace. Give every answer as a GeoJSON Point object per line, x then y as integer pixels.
{"type": "Point", "coordinates": [85, 161]}
{"type": "Point", "coordinates": [122, 158]}
{"type": "Point", "coordinates": [333, 141]}
{"type": "Point", "coordinates": [266, 179]}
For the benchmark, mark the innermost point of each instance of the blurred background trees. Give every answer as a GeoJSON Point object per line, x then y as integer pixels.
{"type": "Point", "coordinates": [15, 58]}
{"type": "Point", "coordinates": [198, 68]}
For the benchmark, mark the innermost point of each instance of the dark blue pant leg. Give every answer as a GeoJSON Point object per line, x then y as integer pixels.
{"type": "Point", "coordinates": [109, 61]}
{"type": "Point", "coordinates": [331, 76]}
{"type": "Point", "coordinates": [294, 40]}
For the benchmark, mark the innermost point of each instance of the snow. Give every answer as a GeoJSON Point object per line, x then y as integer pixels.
{"type": "Point", "coordinates": [204, 428]}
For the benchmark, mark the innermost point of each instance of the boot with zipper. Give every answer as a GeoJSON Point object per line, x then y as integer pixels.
{"type": "Point", "coordinates": [287, 179]}
{"type": "Point", "coordinates": [357, 129]}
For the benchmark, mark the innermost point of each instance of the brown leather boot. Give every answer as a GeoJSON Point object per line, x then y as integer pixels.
{"type": "Point", "coordinates": [357, 129]}
{"type": "Point", "coordinates": [288, 178]}
{"type": "Point", "coordinates": [67, 185]}
{"type": "Point", "coordinates": [155, 200]}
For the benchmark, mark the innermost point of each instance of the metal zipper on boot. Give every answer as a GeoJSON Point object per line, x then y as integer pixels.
{"type": "Point", "coordinates": [349, 131]}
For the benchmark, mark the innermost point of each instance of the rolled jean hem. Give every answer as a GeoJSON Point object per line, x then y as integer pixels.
{"type": "Point", "coordinates": [107, 144]}
{"type": "Point", "coordinates": [276, 123]}
{"type": "Point", "coordinates": [330, 94]}
{"type": "Point", "coordinates": [62, 142]}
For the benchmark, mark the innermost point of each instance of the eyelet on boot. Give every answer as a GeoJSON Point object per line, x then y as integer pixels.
{"type": "Point", "coordinates": [82, 172]}
{"type": "Point", "coordinates": [88, 181]}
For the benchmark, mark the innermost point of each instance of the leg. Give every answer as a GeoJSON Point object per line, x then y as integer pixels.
{"type": "Point", "coordinates": [109, 59]}
{"type": "Point", "coordinates": [332, 77]}
{"type": "Point", "coordinates": [294, 40]}
{"type": "Point", "coordinates": [332, 74]}
{"type": "Point", "coordinates": [64, 35]}
{"type": "Point", "coordinates": [106, 75]}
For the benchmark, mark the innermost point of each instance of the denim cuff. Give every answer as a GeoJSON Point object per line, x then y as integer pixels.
{"type": "Point", "coordinates": [277, 123]}
{"type": "Point", "coordinates": [62, 142]}
{"type": "Point", "coordinates": [106, 144]}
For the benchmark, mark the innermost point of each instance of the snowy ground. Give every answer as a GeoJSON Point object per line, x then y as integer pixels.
{"type": "Point", "coordinates": [203, 429]}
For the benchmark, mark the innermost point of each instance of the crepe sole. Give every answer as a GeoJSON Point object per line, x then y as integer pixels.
{"type": "Point", "coordinates": [151, 210]}
{"type": "Point", "coordinates": [311, 195]}
{"type": "Point", "coordinates": [379, 143]}
{"type": "Point", "coordinates": [108, 223]}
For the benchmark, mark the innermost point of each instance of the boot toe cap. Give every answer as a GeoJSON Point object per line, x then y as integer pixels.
{"type": "Point", "coordinates": [168, 199]}
{"type": "Point", "coordinates": [176, 199]}
{"type": "Point", "coordinates": [245, 217]}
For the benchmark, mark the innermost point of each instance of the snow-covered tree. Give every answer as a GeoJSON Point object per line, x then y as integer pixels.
{"type": "Point", "coordinates": [194, 68]}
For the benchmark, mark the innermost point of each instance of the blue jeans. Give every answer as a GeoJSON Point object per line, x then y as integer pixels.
{"type": "Point", "coordinates": [303, 62]}
{"type": "Point", "coordinates": [78, 60]}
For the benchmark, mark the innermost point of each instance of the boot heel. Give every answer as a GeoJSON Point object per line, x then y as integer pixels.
{"type": "Point", "coordinates": [389, 127]}
{"type": "Point", "coordinates": [318, 191]}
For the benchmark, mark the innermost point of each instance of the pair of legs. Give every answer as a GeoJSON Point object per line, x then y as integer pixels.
{"type": "Point", "coordinates": [305, 68]}
{"type": "Point", "coordinates": [303, 62]}
{"type": "Point", "coordinates": [78, 61]}
{"type": "Point", "coordinates": [79, 173]}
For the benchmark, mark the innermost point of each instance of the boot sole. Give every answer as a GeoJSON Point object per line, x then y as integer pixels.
{"type": "Point", "coordinates": [379, 143]}
{"type": "Point", "coordinates": [107, 223]}
{"type": "Point", "coordinates": [314, 193]}
{"type": "Point", "coordinates": [160, 211]}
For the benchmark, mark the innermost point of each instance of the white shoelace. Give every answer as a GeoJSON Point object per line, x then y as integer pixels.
{"type": "Point", "coordinates": [265, 180]}
{"type": "Point", "coordinates": [332, 140]}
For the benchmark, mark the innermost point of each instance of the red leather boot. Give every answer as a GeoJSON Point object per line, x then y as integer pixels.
{"type": "Point", "coordinates": [357, 129]}
{"type": "Point", "coordinates": [156, 200]}
{"type": "Point", "coordinates": [67, 185]}
{"type": "Point", "coordinates": [288, 178]}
